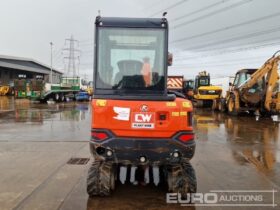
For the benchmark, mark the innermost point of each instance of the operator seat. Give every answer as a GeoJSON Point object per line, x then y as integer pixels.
{"type": "Point", "coordinates": [130, 74]}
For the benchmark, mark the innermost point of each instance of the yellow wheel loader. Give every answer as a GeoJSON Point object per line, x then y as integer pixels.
{"type": "Point", "coordinates": [204, 92]}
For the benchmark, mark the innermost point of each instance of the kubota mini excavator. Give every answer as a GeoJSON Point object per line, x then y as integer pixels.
{"type": "Point", "coordinates": [137, 125]}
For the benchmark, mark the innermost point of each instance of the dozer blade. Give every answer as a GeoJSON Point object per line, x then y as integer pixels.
{"type": "Point", "coordinates": [132, 175]}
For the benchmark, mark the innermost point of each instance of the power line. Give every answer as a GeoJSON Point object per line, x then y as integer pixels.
{"type": "Point", "coordinates": [86, 40]}
{"type": "Point", "coordinates": [214, 65]}
{"type": "Point", "coordinates": [169, 8]}
{"type": "Point", "coordinates": [219, 42]}
{"type": "Point", "coordinates": [57, 52]}
{"type": "Point", "coordinates": [212, 13]}
{"type": "Point", "coordinates": [152, 5]}
{"type": "Point", "coordinates": [200, 10]}
{"type": "Point", "coordinates": [233, 50]}
{"type": "Point", "coordinates": [210, 64]}
{"type": "Point", "coordinates": [228, 61]}
{"type": "Point", "coordinates": [86, 64]}
{"type": "Point", "coordinates": [88, 51]}
{"type": "Point", "coordinates": [89, 44]}
{"type": "Point", "coordinates": [250, 43]}
{"type": "Point", "coordinates": [228, 27]}
{"type": "Point", "coordinates": [57, 55]}
{"type": "Point", "coordinates": [58, 61]}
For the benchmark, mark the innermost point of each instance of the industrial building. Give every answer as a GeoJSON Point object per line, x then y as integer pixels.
{"type": "Point", "coordinates": [12, 68]}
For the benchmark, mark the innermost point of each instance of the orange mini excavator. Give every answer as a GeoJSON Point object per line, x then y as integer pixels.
{"type": "Point", "coordinates": [140, 131]}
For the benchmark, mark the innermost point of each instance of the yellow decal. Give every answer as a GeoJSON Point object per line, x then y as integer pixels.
{"type": "Point", "coordinates": [101, 102]}
{"type": "Point", "coordinates": [187, 104]}
{"type": "Point", "coordinates": [175, 114]}
{"type": "Point", "coordinates": [183, 113]}
{"type": "Point", "coordinates": [171, 104]}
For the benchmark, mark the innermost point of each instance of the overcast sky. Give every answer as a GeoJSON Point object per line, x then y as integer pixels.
{"type": "Point", "coordinates": [220, 36]}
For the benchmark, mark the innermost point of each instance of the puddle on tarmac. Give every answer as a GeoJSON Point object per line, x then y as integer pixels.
{"type": "Point", "coordinates": [33, 121]}
{"type": "Point", "coordinates": [251, 142]}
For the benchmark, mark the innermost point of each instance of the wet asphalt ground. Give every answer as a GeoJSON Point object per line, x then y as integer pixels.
{"type": "Point", "coordinates": [37, 140]}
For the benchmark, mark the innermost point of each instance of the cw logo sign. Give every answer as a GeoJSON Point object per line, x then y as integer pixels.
{"type": "Point", "coordinates": [142, 118]}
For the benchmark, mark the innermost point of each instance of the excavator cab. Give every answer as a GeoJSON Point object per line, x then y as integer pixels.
{"type": "Point", "coordinates": [244, 75]}
{"type": "Point", "coordinates": [136, 60]}
{"type": "Point", "coordinates": [136, 124]}
{"type": "Point", "coordinates": [253, 94]}
{"type": "Point", "coordinates": [188, 86]}
{"type": "Point", "coordinates": [202, 80]}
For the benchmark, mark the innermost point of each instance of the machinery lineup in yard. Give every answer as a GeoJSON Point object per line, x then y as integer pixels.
{"type": "Point", "coordinates": [140, 131]}
{"type": "Point", "coordinates": [69, 88]}
{"type": "Point", "coordinates": [254, 91]}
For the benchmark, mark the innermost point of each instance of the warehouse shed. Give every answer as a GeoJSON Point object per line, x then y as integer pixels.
{"type": "Point", "coordinates": [12, 68]}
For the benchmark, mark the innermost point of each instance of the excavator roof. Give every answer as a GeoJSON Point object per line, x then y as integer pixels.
{"type": "Point", "coordinates": [131, 22]}
{"type": "Point", "coordinates": [250, 71]}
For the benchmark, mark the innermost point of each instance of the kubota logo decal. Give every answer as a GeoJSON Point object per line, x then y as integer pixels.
{"type": "Point", "coordinates": [143, 120]}
{"type": "Point", "coordinates": [144, 108]}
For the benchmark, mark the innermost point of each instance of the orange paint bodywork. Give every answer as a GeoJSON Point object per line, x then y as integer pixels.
{"type": "Point", "coordinates": [176, 114]}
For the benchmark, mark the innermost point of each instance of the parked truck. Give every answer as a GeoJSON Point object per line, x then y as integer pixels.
{"type": "Point", "coordinates": [179, 84]}
{"type": "Point", "coordinates": [68, 89]}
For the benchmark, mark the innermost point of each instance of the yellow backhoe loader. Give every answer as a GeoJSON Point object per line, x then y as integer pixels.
{"type": "Point", "coordinates": [256, 90]}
